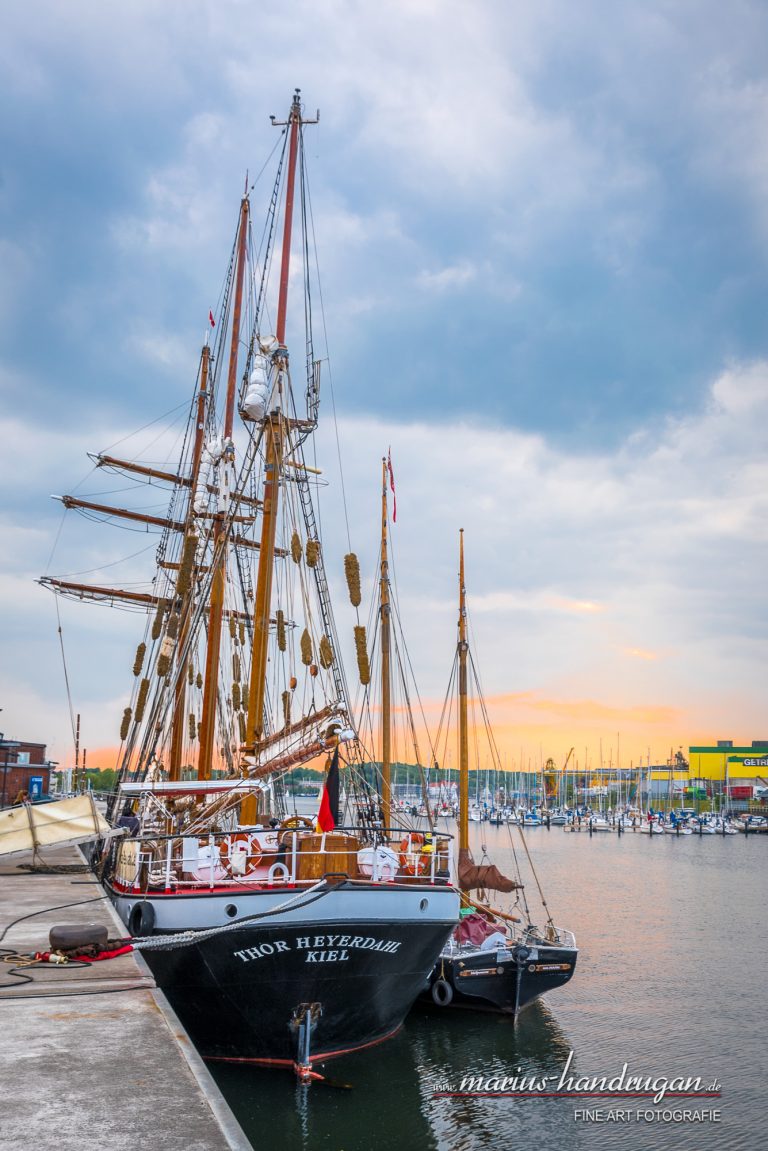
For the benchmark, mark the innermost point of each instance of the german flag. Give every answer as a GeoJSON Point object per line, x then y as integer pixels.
{"type": "Point", "coordinates": [328, 816]}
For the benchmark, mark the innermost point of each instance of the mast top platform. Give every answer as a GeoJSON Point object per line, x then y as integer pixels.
{"type": "Point", "coordinates": [295, 115]}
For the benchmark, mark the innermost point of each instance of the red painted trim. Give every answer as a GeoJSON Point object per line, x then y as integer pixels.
{"type": "Point", "coordinates": [249, 889]}
{"type": "Point", "coordinates": [291, 1063]}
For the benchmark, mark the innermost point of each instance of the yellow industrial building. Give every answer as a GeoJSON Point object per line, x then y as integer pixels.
{"type": "Point", "coordinates": [733, 772]}
{"type": "Point", "coordinates": [737, 764]}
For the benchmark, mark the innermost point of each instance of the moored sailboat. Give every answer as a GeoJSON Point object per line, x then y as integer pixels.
{"type": "Point", "coordinates": [494, 960]}
{"type": "Point", "coordinates": [276, 939]}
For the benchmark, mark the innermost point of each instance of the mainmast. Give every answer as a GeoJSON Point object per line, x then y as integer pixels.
{"type": "Point", "coordinates": [219, 561]}
{"type": "Point", "coordinates": [386, 679]}
{"type": "Point", "coordinates": [463, 730]}
{"type": "Point", "coordinates": [274, 433]}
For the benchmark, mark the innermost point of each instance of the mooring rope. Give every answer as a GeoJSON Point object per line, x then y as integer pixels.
{"type": "Point", "coordinates": [185, 938]}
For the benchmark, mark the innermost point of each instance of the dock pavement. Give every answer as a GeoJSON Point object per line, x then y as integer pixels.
{"type": "Point", "coordinates": [92, 1057]}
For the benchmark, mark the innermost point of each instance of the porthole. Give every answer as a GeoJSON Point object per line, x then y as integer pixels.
{"type": "Point", "coordinates": [231, 910]}
{"type": "Point", "coordinates": [424, 905]}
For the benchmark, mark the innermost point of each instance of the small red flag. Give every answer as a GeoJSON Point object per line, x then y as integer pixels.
{"type": "Point", "coordinates": [392, 485]}
{"type": "Point", "coordinates": [211, 320]}
{"type": "Point", "coordinates": [328, 816]}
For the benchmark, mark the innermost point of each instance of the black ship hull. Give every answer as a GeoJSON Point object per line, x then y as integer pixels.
{"type": "Point", "coordinates": [303, 986]}
{"type": "Point", "coordinates": [503, 980]}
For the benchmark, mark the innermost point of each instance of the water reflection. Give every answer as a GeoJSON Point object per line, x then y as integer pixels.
{"type": "Point", "coordinates": [447, 1048]}
{"type": "Point", "coordinates": [389, 1097]}
{"type": "Point", "coordinates": [672, 938]}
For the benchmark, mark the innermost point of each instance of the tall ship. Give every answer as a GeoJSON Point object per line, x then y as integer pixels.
{"type": "Point", "coordinates": [277, 938]}
{"type": "Point", "coordinates": [497, 959]}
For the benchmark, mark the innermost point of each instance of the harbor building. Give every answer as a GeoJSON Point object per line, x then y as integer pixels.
{"type": "Point", "coordinates": [727, 763]}
{"type": "Point", "coordinates": [24, 770]}
{"type": "Point", "coordinates": [735, 774]}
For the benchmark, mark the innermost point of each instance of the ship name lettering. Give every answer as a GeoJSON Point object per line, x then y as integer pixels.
{"type": "Point", "coordinates": [321, 949]}
{"type": "Point", "coordinates": [327, 956]}
{"type": "Point", "coordinates": [265, 949]}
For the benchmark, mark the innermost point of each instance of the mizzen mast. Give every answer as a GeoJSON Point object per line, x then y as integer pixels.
{"type": "Point", "coordinates": [386, 675]}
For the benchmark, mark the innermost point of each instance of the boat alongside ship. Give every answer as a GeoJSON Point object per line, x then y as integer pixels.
{"type": "Point", "coordinates": [276, 940]}
{"type": "Point", "coordinates": [495, 960]}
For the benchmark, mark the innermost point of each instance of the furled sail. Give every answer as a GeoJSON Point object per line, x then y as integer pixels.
{"type": "Point", "coordinates": [474, 876]}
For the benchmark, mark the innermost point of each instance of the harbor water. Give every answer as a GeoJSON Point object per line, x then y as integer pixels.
{"type": "Point", "coordinates": [672, 935]}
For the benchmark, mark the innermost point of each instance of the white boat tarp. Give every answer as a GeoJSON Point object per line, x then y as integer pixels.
{"type": "Point", "coordinates": [33, 826]}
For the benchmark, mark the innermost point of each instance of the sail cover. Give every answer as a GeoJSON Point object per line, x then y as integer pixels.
{"type": "Point", "coordinates": [476, 876]}
{"type": "Point", "coordinates": [31, 826]}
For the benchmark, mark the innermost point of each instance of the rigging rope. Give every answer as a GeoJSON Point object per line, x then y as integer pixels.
{"type": "Point", "coordinates": [330, 373]}
{"type": "Point", "coordinates": [66, 673]}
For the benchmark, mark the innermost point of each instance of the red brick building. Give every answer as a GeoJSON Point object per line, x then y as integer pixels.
{"type": "Point", "coordinates": [21, 764]}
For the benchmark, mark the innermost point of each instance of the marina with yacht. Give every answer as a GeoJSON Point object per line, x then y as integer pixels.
{"type": "Point", "coordinates": [393, 919]}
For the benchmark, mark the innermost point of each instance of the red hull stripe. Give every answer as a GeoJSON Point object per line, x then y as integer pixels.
{"type": "Point", "coordinates": [264, 1062]}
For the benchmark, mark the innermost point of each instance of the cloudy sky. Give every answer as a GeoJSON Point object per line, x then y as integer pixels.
{"type": "Point", "coordinates": [543, 237]}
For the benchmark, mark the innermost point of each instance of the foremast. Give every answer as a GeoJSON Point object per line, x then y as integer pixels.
{"type": "Point", "coordinates": [190, 547]}
{"type": "Point", "coordinates": [221, 527]}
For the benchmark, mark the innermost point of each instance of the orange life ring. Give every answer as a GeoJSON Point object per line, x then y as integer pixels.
{"type": "Point", "coordinates": [413, 859]}
{"type": "Point", "coordinates": [252, 848]}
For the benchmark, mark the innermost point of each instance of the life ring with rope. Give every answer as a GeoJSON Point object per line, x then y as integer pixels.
{"type": "Point", "coordinates": [414, 858]}
{"type": "Point", "coordinates": [237, 845]}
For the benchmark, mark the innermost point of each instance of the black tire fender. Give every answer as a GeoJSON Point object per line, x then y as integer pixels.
{"type": "Point", "coordinates": [141, 921]}
{"type": "Point", "coordinates": [442, 993]}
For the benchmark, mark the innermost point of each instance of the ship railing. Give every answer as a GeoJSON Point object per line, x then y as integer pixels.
{"type": "Point", "coordinates": [549, 936]}
{"type": "Point", "coordinates": [527, 937]}
{"type": "Point", "coordinates": [285, 857]}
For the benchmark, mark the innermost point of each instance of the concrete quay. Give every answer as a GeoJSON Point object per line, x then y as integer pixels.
{"type": "Point", "coordinates": [93, 1057]}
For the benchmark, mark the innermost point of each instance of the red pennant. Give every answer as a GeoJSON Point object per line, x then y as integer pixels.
{"type": "Point", "coordinates": [392, 485]}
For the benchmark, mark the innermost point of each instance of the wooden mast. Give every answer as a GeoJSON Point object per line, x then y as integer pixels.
{"type": "Point", "coordinates": [463, 730]}
{"type": "Point", "coordinates": [274, 437]}
{"type": "Point", "coordinates": [180, 691]}
{"type": "Point", "coordinates": [211, 678]}
{"type": "Point", "coordinates": [384, 630]}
